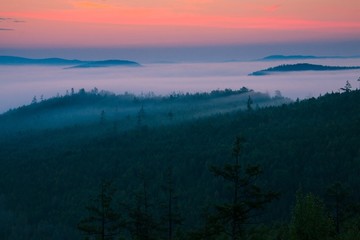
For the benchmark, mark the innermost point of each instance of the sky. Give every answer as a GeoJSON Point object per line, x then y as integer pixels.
{"type": "Point", "coordinates": [67, 24]}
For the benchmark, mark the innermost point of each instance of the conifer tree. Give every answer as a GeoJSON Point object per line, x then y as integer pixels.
{"type": "Point", "coordinates": [172, 217]}
{"type": "Point", "coordinates": [347, 87]}
{"type": "Point", "coordinates": [103, 221]}
{"type": "Point", "coordinates": [142, 225]}
{"type": "Point", "coordinates": [247, 198]}
{"type": "Point", "coordinates": [338, 195]}
{"type": "Point", "coordinates": [249, 104]}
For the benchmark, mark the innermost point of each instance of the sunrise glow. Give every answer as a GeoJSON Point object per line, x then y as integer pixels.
{"type": "Point", "coordinates": [190, 22]}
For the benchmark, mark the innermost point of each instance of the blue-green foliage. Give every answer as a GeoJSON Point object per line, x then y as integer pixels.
{"type": "Point", "coordinates": [49, 169]}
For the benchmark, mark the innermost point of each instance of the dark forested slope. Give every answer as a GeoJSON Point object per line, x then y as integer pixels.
{"type": "Point", "coordinates": [47, 175]}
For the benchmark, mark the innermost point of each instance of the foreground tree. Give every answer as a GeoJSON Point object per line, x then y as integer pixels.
{"type": "Point", "coordinates": [309, 219]}
{"type": "Point", "coordinates": [172, 217]}
{"type": "Point", "coordinates": [338, 195]}
{"type": "Point", "coordinates": [142, 224]}
{"type": "Point", "coordinates": [103, 222]}
{"type": "Point", "coordinates": [246, 198]}
{"type": "Point", "coordinates": [345, 211]}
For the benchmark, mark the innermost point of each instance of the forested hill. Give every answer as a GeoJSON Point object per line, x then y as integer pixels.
{"type": "Point", "coordinates": [298, 57]}
{"type": "Point", "coordinates": [107, 63]}
{"type": "Point", "coordinates": [48, 176]}
{"type": "Point", "coordinates": [301, 67]}
{"type": "Point", "coordinates": [128, 110]}
{"type": "Point", "coordinates": [290, 57]}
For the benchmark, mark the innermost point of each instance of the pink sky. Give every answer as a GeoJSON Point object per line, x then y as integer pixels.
{"type": "Point", "coordinates": [120, 23]}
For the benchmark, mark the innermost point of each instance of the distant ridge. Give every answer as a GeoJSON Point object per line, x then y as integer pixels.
{"type": "Point", "coordinates": [12, 60]}
{"type": "Point", "coordinates": [107, 63]}
{"type": "Point", "coordinates": [290, 57]}
{"type": "Point", "coordinates": [300, 67]}
{"type": "Point", "coordinates": [299, 57]}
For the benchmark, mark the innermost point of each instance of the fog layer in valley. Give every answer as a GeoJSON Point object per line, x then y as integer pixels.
{"type": "Point", "coordinates": [19, 84]}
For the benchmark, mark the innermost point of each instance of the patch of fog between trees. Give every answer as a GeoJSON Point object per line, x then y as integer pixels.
{"type": "Point", "coordinates": [127, 111]}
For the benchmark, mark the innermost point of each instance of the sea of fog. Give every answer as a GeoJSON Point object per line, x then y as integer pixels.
{"type": "Point", "coordinates": [19, 84]}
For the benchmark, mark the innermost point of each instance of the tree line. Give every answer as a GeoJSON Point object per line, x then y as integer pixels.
{"type": "Point", "coordinates": [236, 217]}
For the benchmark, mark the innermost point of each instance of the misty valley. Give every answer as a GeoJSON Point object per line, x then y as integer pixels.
{"type": "Point", "coordinates": [22, 79]}
{"type": "Point", "coordinates": [216, 150]}
{"type": "Point", "coordinates": [179, 120]}
{"type": "Point", "coordinates": [127, 111]}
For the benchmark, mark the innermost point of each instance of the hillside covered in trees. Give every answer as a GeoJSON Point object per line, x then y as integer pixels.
{"type": "Point", "coordinates": [298, 67]}
{"type": "Point", "coordinates": [127, 111]}
{"type": "Point", "coordinates": [148, 167]}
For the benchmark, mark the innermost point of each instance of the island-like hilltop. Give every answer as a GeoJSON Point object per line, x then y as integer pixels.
{"type": "Point", "coordinates": [73, 63]}
{"type": "Point", "coordinates": [301, 67]}
{"type": "Point", "coordinates": [299, 57]}
{"type": "Point", "coordinates": [107, 63]}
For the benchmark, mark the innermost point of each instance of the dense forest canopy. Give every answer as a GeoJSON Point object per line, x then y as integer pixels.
{"type": "Point", "coordinates": [57, 154]}
{"type": "Point", "coordinates": [127, 109]}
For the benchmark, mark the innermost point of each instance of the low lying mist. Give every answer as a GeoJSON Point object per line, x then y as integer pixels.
{"type": "Point", "coordinates": [127, 111]}
{"type": "Point", "coordinates": [19, 84]}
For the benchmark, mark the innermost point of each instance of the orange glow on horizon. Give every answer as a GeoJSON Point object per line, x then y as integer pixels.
{"type": "Point", "coordinates": [161, 17]}
{"type": "Point", "coordinates": [227, 20]}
